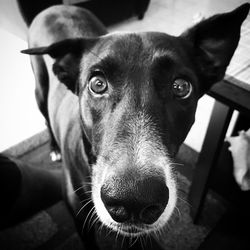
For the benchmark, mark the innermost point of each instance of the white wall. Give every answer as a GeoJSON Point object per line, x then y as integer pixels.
{"type": "Point", "coordinates": [11, 19]}
{"type": "Point", "coordinates": [20, 117]}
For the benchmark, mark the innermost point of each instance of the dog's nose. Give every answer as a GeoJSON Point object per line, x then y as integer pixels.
{"type": "Point", "coordinates": [136, 201]}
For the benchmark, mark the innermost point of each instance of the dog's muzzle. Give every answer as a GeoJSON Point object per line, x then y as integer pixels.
{"type": "Point", "coordinates": [135, 202]}
{"type": "Point", "coordinates": [132, 200]}
{"type": "Point", "coordinates": [133, 188]}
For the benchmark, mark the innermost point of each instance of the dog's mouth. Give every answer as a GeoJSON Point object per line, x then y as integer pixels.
{"type": "Point", "coordinates": [132, 230]}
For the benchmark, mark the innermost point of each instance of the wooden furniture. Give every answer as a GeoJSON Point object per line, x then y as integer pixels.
{"type": "Point", "coordinates": [231, 94]}
{"type": "Point", "coordinates": [228, 98]}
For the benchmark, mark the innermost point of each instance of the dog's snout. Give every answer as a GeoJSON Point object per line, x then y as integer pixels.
{"type": "Point", "coordinates": [135, 201]}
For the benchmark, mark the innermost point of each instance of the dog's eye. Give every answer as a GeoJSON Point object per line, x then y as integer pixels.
{"type": "Point", "coordinates": [98, 84]}
{"type": "Point", "coordinates": [182, 88]}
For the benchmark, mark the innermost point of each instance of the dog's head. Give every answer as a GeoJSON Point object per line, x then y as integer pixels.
{"type": "Point", "coordinates": [138, 95]}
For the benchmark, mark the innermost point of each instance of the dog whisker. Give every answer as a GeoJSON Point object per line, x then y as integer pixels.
{"type": "Point", "coordinates": [92, 218]}
{"type": "Point", "coordinates": [109, 231]}
{"type": "Point", "coordinates": [144, 239]}
{"type": "Point", "coordinates": [83, 207]}
{"type": "Point", "coordinates": [117, 234]}
{"type": "Point", "coordinates": [160, 231]}
{"type": "Point", "coordinates": [150, 239]}
{"type": "Point", "coordinates": [82, 187]}
{"type": "Point", "coordinates": [87, 199]}
{"type": "Point", "coordinates": [123, 238]}
{"type": "Point", "coordinates": [136, 239]}
{"type": "Point", "coordinates": [142, 246]}
{"type": "Point", "coordinates": [77, 189]}
{"type": "Point", "coordinates": [94, 221]}
{"type": "Point", "coordinates": [100, 228]}
{"type": "Point", "coordinates": [183, 200]}
{"type": "Point", "coordinates": [88, 192]}
{"type": "Point", "coordinates": [93, 214]}
{"type": "Point", "coordinates": [87, 183]}
{"type": "Point", "coordinates": [155, 233]}
{"type": "Point", "coordinates": [86, 219]}
{"type": "Point", "coordinates": [178, 212]}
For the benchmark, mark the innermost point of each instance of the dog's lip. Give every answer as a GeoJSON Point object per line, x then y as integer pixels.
{"type": "Point", "coordinates": [133, 230]}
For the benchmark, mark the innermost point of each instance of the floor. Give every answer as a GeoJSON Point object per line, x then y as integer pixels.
{"type": "Point", "coordinates": [54, 229]}
{"type": "Point", "coordinates": [21, 118]}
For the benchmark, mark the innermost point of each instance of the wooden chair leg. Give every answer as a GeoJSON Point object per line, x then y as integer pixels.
{"type": "Point", "coordinates": [219, 121]}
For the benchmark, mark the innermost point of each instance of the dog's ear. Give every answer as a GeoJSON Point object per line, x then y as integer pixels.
{"type": "Point", "coordinates": [67, 55]}
{"type": "Point", "coordinates": [213, 42]}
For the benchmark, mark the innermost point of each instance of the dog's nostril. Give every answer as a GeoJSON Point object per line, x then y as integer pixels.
{"type": "Point", "coordinates": [150, 214]}
{"type": "Point", "coordinates": [114, 205]}
{"type": "Point", "coordinates": [118, 213]}
{"type": "Point", "coordinates": [136, 201]}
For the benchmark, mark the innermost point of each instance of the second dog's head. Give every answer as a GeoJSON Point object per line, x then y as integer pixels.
{"type": "Point", "coordinates": [138, 95]}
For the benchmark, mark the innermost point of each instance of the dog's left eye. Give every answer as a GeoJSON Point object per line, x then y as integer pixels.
{"type": "Point", "coordinates": [182, 88]}
{"type": "Point", "coordinates": [98, 84]}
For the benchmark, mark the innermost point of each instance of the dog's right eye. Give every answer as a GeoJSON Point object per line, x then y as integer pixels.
{"type": "Point", "coordinates": [181, 88]}
{"type": "Point", "coordinates": [98, 84]}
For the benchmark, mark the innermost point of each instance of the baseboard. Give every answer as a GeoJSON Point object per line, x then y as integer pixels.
{"type": "Point", "coordinates": [28, 145]}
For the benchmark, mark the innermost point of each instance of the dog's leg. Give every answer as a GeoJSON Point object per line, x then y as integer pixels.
{"type": "Point", "coordinates": [26, 190]}
{"type": "Point", "coordinates": [41, 93]}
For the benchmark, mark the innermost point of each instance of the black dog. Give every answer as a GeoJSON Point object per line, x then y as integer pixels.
{"type": "Point", "coordinates": [120, 105]}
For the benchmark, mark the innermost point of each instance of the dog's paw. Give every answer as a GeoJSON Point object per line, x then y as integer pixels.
{"type": "Point", "coordinates": [240, 149]}
{"type": "Point", "coordinates": [55, 156]}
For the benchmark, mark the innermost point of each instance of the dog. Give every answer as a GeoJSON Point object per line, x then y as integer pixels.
{"type": "Point", "coordinates": [119, 105]}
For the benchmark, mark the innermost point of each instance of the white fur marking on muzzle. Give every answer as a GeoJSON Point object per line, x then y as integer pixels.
{"type": "Point", "coordinates": [149, 156]}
